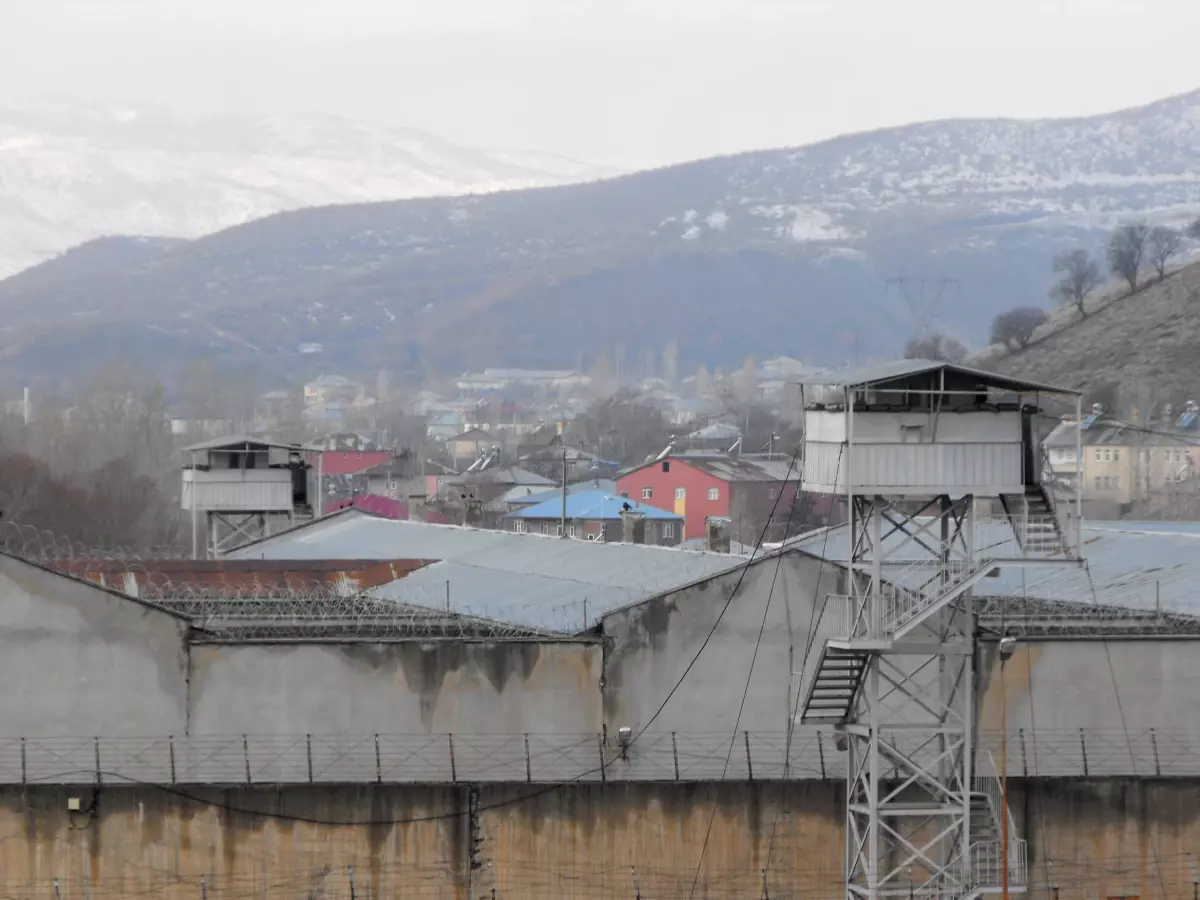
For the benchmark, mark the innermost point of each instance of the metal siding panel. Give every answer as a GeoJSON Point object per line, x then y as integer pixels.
{"type": "Point", "coordinates": [905, 465]}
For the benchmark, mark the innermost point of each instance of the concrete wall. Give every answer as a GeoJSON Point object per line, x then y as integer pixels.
{"type": "Point", "coordinates": [574, 841]}
{"type": "Point", "coordinates": [649, 647]}
{"type": "Point", "coordinates": [1068, 685]}
{"type": "Point", "coordinates": [78, 660]}
{"type": "Point", "coordinates": [409, 687]}
{"type": "Point", "coordinates": [1090, 839]}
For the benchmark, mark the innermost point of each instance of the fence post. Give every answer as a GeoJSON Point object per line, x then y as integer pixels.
{"type": "Point", "coordinates": [308, 753]}
{"type": "Point", "coordinates": [96, 744]}
{"type": "Point", "coordinates": [23, 770]}
{"type": "Point", "coordinates": [203, 888]}
{"type": "Point", "coordinates": [675, 754]}
{"type": "Point", "coordinates": [528, 763]}
{"type": "Point", "coordinates": [1083, 751]}
{"type": "Point", "coordinates": [821, 753]}
{"type": "Point", "coordinates": [1154, 745]}
{"type": "Point", "coordinates": [749, 765]}
{"type": "Point", "coordinates": [246, 755]}
{"type": "Point", "coordinates": [1024, 756]}
{"type": "Point", "coordinates": [453, 765]}
{"type": "Point", "coordinates": [600, 747]}
{"type": "Point", "coordinates": [378, 768]}
{"type": "Point", "coordinates": [352, 883]}
{"type": "Point", "coordinates": [171, 753]}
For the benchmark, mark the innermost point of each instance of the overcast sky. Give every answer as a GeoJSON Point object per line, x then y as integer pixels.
{"type": "Point", "coordinates": [626, 82]}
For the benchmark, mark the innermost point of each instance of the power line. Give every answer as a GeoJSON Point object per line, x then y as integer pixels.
{"type": "Point", "coordinates": [749, 674]}
{"type": "Point", "coordinates": [811, 634]}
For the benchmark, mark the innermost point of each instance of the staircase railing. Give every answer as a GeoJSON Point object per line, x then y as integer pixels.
{"type": "Point", "coordinates": [902, 604]}
{"type": "Point", "coordinates": [987, 782]}
{"type": "Point", "coordinates": [987, 863]}
{"type": "Point", "coordinates": [835, 622]}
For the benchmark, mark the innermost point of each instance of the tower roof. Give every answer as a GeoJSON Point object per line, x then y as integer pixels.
{"type": "Point", "coordinates": [905, 369]}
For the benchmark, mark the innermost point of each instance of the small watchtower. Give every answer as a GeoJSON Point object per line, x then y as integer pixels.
{"type": "Point", "coordinates": [239, 489]}
{"type": "Point", "coordinates": [913, 446]}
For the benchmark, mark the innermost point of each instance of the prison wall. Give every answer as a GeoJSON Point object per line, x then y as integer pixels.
{"type": "Point", "coordinates": [1088, 839]}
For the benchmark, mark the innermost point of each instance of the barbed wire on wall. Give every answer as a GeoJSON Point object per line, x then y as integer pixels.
{"type": "Point", "coordinates": [232, 604]}
{"type": "Point", "coordinates": [1027, 617]}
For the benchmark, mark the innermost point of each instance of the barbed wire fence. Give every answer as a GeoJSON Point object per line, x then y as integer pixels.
{"type": "Point", "coordinates": [248, 605]}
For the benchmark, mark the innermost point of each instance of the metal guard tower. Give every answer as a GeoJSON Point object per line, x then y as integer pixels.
{"type": "Point", "coordinates": [245, 488]}
{"type": "Point", "coordinates": [941, 469]}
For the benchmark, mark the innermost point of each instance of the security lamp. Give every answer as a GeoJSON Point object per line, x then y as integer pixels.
{"type": "Point", "coordinates": [1008, 646]}
{"type": "Point", "coordinates": [624, 738]}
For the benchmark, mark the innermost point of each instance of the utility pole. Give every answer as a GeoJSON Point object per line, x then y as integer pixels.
{"type": "Point", "coordinates": [562, 528]}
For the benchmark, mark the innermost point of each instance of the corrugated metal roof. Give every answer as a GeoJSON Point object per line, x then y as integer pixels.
{"type": "Point", "coordinates": [901, 368]}
{"type": "Point", "coordinates": [1133, 564]}
{"type": "Point", "coordinates": [593, 504]}
{"type": "Point", "coordinates": [542, 582]}
{"type": "Point", "coordinates": [529, 494]}
{"type": "Point", "coordinates": [237, 441]}
{"type": "Point", "coordinates": [739, 469]}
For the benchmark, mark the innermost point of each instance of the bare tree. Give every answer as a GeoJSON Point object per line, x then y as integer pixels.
{"type": "Point", "coordinates": [1162, 244]}
{"type": "Point", "coordinates": [1015, 328]}
{"type": "Point", "coordinates": [1079, 275]}
{"type": "Point", "coordinates": [936, 346]}
{"type": "Point", "coordinates": [1126, 249]}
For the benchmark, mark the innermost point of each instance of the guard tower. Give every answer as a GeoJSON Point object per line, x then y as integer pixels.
{"type": "Point", "coordinates": [941, 468]}
{"type": "Point", "coordinates": [239, 489]}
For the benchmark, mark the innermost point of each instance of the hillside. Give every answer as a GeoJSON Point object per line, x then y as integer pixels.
{"type": "Point", "coordinates": [1144, 346]}
{"type": "Point", "coordinates": [71, 172]}
{"type": "Point", "coordinates": [760, 253]}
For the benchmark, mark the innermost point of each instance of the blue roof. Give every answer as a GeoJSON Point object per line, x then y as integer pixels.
{"type": "Point", "coordinates": [591, 504]}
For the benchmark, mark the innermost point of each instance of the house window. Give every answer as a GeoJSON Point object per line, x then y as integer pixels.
{"type": "Point", "coordinates": [666, 465]}
{"type": "Point", "coordinates": [647, 493]}
{"type": "Point", "coordinates": [668, 529]}
{"type": "Point", "coordinates": [714, 493]}
{"type": "Point", "coordinates": [1099, 482]}
{"type": "Point", "coordinates": [547, 528]}
{"type": "Point", "coordinates": [1108, 456]}
{"type": "Point", "coordinates": [571, 531]}
{"type": "Point", "coordinates": [1098, 456]}
{"type": "Point", "coordinates": [1116, 456]}
{"type": "Point", "coordinates": [520, 527]}
{"type": "Point", "coordinates": [680, 493]}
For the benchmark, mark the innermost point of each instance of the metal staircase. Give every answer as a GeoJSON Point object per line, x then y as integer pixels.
{"type": "Point", "coordinates": [1035, 523]}
{"type": "Point", "coordinates": [836, 679]}
{"type": "Point", "coordinates": [987, 855]}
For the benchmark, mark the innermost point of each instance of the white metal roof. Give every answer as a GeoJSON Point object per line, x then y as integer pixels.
{"type": "Point", "coordinates": [549, 583]}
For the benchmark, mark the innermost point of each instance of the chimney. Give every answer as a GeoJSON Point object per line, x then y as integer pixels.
{"type": "Point", "coordinates": [716, 530]}
{"type": "Point", "coordinates": [633, 527]}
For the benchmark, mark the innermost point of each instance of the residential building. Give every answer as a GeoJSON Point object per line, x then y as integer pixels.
{"type": "Point", "coordinates": [331, 389]}
{"type": "Point", "coordinates": [1123, 463]}
{"type": "Point", "coordinates": [597, 515]}
{"type": "Point", "coordinates": [397, 478]}
{"type": "Point", "coordinates": [530, 380]}
{"type": "Point", "coordinates": [463, 449]}
{"type": "Point", "coordinates": [699, 485]}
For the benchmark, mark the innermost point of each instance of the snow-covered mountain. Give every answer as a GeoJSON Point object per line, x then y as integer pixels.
{"type": "Point", "coordinates": [70, 172]}
{"type": "Point", "coordinates": [781, 251]}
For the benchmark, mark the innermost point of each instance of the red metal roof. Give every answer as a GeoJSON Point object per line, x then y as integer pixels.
{"type": "Point", "coordinates": [351, 462]}
{"type": "Point", "coordinates": [238, 574]}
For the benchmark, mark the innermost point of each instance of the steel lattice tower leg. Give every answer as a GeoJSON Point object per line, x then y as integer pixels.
{"type": "Point", "coordinates": [910, 733]}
